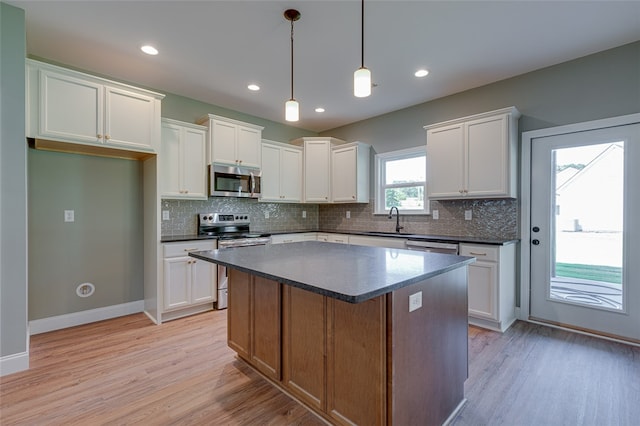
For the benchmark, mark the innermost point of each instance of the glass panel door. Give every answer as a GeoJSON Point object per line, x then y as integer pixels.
{"type": "Point", "coordinates": [585, 231]}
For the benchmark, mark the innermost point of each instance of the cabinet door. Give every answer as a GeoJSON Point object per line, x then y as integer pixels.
{"type": "Point", "coordinates": [304, 345]}
{"type": "Point", "coordinates": [483, 287]}
{"type": "Point", "coordinates": [194, 167]}
{"type": "Point", "coordinates": [223, 143]}
{"type": "Point", "coordinates": [290, 174]}
{"type": "Point", "coordinates": [317, 171]}
{"type": "Point", "coordinates": [177, 282]}
{"type": "Point", "coordinates": [445, 155]}
{"type": "Point", "coordinates": [248, 146]}
{"type": "Point", "coordinates": [270, 178]}
{"type": "Point", "coordinates": [71, 109]}
{"type": "Point", "coordinates": [170, 161]}
{"type": "Point", "coordinates": [129, 119]}
{"type": "Point", "coordinates": [266, 338]}
{"type": "Point", "coordinates": [343, 174]}
{"type": "Point", "coordinates": [239, 312]}
{"type": "Point", "coordinates": [487, 157]}
{"type": "Point", "coordinates": [203, 281]}
{"type": "Point", "coordinates": [356, 362]}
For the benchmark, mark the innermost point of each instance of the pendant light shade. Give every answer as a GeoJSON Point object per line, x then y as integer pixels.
{"type": "Point", "coordinates": [291, 107]}
{"type": "Point", "coordinates": [291, 110]}
{"type": "Point", "coordinates": [362, 82]}
{"type": "Point", "coordinates": [362, 76]}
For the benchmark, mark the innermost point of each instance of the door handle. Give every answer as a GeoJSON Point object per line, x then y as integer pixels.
{"type": "Point", "coordinates": [535, 242]}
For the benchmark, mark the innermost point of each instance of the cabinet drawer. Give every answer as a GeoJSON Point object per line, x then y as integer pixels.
{"type": "Point", "coordinates": [481, 252]}
{"type": "Point", "coordinates": [183, 248]}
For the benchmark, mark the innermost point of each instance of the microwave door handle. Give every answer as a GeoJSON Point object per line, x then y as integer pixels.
{"type": "Point", "coordinates": [253, 183]}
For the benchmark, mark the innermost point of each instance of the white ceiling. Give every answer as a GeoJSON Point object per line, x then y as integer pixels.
{"type": "Point", "coordinates": [211, 50]}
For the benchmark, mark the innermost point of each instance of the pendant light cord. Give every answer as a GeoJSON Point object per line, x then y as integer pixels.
{"type": "Point", "coordinates": [292, 59]}
{"type": "Point", "coordinates": [362, 35]}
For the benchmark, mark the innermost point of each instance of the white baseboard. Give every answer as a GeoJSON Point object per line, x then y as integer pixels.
{"type": "Point", "coordinates": [14, 363]}
{"type": "Point", "coordinates": [84, 317]}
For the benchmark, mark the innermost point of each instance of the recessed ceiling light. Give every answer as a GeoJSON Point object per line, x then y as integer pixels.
{"type": "Point", "coordinates": [319, 109]}
{"type": "Point", "coordinates": [421, 73]}
{"type": "Point", "coordinates": [253, 87]}
{"type": "Point", "coordinates": [149, 50]}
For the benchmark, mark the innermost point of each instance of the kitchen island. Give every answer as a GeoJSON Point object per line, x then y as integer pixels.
{"type": "Point", "coordinates": [360, 335]}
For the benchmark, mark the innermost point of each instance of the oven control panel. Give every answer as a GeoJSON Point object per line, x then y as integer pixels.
{"type": "Point", "coordinates": [208, 219]}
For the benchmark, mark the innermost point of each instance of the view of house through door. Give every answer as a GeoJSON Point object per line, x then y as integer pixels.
{"type": "Point", "coordinates": [585, 230]}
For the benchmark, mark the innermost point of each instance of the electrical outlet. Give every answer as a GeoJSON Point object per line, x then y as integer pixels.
{"type": "Point", "coordinates": [69, 216]}
{"type": "Point", "coordinates": [348, 214]}
{"type": "Point", "coordinates": [415, 301]}
{"type": "Point", "coordinates": [266, 214]}
{"type": "Point", "coordinates": [165, 214]}
{"type": "Point", "coordinates": [435, 214]}
{"type": "Point", "coordinates": [468, 214]}
{"type": "Point", "coordinates": [304, 214]}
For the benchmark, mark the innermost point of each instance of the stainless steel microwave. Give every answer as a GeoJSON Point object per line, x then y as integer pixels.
{"type": "Point", "coordinates": [234, 181]}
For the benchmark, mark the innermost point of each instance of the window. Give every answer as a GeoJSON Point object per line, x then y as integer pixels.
{"type": "Point", "coordinates": [401, 181]}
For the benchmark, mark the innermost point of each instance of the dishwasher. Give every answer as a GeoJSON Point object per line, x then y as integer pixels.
{"type": "Point", "coordinates": [432, 246]}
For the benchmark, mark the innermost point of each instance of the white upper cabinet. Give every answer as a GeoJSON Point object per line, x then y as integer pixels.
{"type": "Point", "coordinates": [281, 178]}
{"type": "Point", "coordinates": [350, 173]}
{"type": "Point", "coordinates": [183, 161]}
{"type": "Point", "coordinates": [69, 106]}
{"type": "Point", "coordinates": [232, 142]}
{"type": "Point", "coordinates": [317, 171]}
{"type": "Point", "coordinates": [473, 157]}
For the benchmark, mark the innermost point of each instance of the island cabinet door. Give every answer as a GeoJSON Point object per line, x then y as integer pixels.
{"type": "Point", "coordinates": [356, 362]}
{"type": "Point", "coordinates": [265, 330]}
{"type": "Point", "coordinates": [304, 346]}
{"type": "Point", "coordinates": [239, 313]}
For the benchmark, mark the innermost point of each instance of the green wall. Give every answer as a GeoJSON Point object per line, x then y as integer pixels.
{"type": "Point", "coordinates": [103, 246]}
{"type": "Point", "coordinates": [13, 188]}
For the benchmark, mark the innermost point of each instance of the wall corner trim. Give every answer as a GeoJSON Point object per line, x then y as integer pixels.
{"type": "Point", "coordinates": [14, 363]}
{"type": "Point", "coordinates": [84, 317]}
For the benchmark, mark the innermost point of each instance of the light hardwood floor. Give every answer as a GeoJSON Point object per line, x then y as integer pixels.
{"type": "Point", "coordinates": [129, 371]}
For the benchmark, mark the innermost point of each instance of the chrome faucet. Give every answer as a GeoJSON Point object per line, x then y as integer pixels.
{"type": "Point", "coordinates": [398, 227]}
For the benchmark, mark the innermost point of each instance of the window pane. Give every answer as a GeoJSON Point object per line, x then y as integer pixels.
{"type": "Point", "coordinates": [589, 203]}
{"type": "Point", "coordinates": [406, 170]}
{"type": "Point", "coordinates": [409, 198]}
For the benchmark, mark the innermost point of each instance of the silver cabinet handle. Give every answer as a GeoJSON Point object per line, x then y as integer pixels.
{"type": "Point", "coordinates": [477, 254]}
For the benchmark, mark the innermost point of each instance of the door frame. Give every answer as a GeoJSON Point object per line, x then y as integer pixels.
{"type": "Point", "coordinates": [523, 311]}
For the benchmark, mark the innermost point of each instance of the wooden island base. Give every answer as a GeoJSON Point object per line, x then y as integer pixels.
{"type": "Point", "coordinates": [370, 363]}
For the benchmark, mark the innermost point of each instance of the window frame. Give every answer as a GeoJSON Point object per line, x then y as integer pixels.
{"type": "Point", "coordinates": [380, 178]}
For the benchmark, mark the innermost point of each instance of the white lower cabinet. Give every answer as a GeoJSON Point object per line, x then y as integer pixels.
{"type": "Point", "coordinates": [363, 240]}
{"type": "Point", "coordinates": [187, 282]}
{"type": "Point", "coordinates": [492, 284]}
{"type": "Point", "coordinates": [293, 238]}
{"type": "Point", "coordinates": [333, 238]}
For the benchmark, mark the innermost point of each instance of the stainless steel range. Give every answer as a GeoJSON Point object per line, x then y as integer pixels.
{"type": "Point", "coordinates": [232, 230]}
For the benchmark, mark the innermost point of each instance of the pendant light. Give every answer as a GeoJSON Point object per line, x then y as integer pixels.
{"type": "Point", "coordinates": [291, 107]}
{"type": "Point", "coordinates": [362, 76]}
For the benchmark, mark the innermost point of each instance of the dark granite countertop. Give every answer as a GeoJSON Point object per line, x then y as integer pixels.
{"type": "Point", "coordinates": [186, 237]}
{"type": "Point", "coordinates": [419, 237]}
{"type": "Point", "coordinates": [350, 273]}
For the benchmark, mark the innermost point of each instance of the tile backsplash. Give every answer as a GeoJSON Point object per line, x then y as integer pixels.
{"type": "Point", "coordinates": [491, 218]}
{"type": "Point", "coordinates": [282, 217]}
